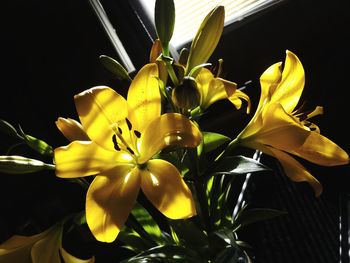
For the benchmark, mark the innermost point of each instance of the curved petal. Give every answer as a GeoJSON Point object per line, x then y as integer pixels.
{"type": "Point", "coordinates": [203, 79]}
{"type": "Point", "coordinates": [236, 96]}
{"type": "Point", "coordinates": [171, 129]}
{"type": "Point", "coordinates": [162, 184]}
{"type": "Point", "coordinates": [144, 99]}
{"type": "Point", "coordinates": [100, 109]}
{"type": "Point", "coordinates": [71, 129]}
{"type": "Point", "coordinates": [82, 158]}
{"type": "Point", "coordinates": [109, 201]}
{"type": "Point", "coordinates": [320, 150]}
{"type": "Point", "coordinates": [294, 170]}
{"type": "Point", "coordinates": [289, 90]}
{"type": "Point", "coordinates": [217, 90]}
{"type": "Point", "coordinates": [268, 82]}
{"type": "Point", "coordinates": [280, 130]}
{"type": "Point", "coordinates": [69, 258]}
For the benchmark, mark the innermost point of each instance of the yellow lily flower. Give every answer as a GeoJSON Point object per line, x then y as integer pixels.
{"type": "Point", "coordinates": [43, 247]}
{"type": "Point", "coordinates": [212, 89]}
{"type": "Point", "coordinates": [276, 129]}
{"type": "Point", "coordinates": [125, 135]}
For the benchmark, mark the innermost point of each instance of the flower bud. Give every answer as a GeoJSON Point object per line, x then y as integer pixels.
{"type": "Point", "coordinates": [186, 95]}
{"type": "Point", "coordinates": [71, 129]}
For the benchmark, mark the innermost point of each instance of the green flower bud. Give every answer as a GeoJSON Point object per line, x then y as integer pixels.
{"type": "Point", "coordinates": [186, 95]}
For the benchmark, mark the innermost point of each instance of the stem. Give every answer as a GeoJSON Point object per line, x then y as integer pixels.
{"type": "Point", "coordinates": [134, 224]}
{"type": "Point", "coordinates": [199, 190]}
{"type": "Point", "coordinates": [171, 73]}
{"type": "Point", "coordinates": [227, 150]}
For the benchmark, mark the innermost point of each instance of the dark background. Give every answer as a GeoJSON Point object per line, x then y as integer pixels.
{"type": "Point", "coordinates": [49, 52]}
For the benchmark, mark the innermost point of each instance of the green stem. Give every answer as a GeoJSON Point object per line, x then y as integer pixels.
{"type": "Point", "coordinates": [134, 224]}
{"type": "Point", "coordinates": [200, 191]}
{"type": "Point", "coordinates": [227, 150]}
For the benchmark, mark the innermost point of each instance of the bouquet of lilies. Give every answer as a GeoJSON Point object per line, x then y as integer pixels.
{"type": "Point", "coordinates": [155, 181]}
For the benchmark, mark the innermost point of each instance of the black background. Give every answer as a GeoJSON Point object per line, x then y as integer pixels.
{"type": "Point", "coordinates": [49, 52]}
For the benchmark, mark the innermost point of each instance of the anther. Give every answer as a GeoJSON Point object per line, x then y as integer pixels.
{"type": "Point", "coordinates": [137, 133]}
{"type": "Point", "coordinates": [114, 139]}
{"type": "Point", "coordinates": [129, 124]}
{"type": "Point", "coordinates": [120, 130]}
{"type": "Point", "coordinates": [130, 151]}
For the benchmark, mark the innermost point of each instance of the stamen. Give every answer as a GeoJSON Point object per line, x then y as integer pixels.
{"type": "Point", "coordinates": [137, 133]}
{"type": "Point", "coordinates": [129, 124]}
{"type": "Point", "coordinates": [130, 150]}
{"type": "Point", "coordinates": [116, 146]}
{"type": "Point", "coordinates": [120, 130]}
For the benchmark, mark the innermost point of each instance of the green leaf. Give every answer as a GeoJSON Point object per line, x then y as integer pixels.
{"type": "Point", "coordinates": [250, 216]}
{"type": "Point", "coordinates": [207, 38]}
{"type": "Point", "coordinates": [166, 254]}
{"type": "Point", "coordinates": [115, 67]}
{"type": "Point", "coordinates": [189, 234]}
{"type": "Point", "coordinates": [131, 240]}
{"type": "Point", "coordinates": [239, 165]}
{"type": "Point", "coordinates": [213, 140]}
{"type": "Point", "coordinates": [8, 129]}
{"type": "Point", "coordinates": [14, 164]}
{"type": "Point", "coordinates": [232, 254]}
{"type": "Point", "coordinates": [164, 17]}
{"type": "Point", "coordinates": [147, 222]}
{"type": "Point", "coordinates": [38, 145]}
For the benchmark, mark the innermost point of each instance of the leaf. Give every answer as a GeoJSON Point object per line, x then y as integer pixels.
{"type": "Point", "coordinates": [164, 17]}
{"type": "Point", "coordinates": [38, 145]}
{"type": "Point", "coordinates": [115, 67]}
{"type": "Point", "coordinates": [213, 140]}
{"type": "Point", "coordinates": [147, 222]}
{"type": "Point", "coordinates": [8, 129]}
{"type": "Point", "coordinates": [232, 254]}
{"type": "Point", "coordinates": [14, 164]}
{"type": "Point", "coordinates": [132, 240]}
{"type": "Point", "coordinates": [68, 258]}
{"type": "Point", "coordinates": [207, 38]}
{"type": "Point", "coordinates": [166, 254]}
{"type": "Point", "coordinates": [189, 233]}
{"type": "Point", "coordinates": [239, 165]}
{"type": "Point", "coordinates": [250, 216]}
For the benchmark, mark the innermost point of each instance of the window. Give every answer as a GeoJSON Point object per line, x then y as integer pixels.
{"type": "Point", "coordinates": [189, 14]}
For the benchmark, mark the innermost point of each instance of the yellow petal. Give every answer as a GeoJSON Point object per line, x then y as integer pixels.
{"type": "Point", "coordinates": [17, 248]}
{"type": "Point", "coordinates": [72, 129]}
{"type": "Point", "coordinates": [289, 90]}
{"type": "Point", "coordinates": [269, 80]}
{"type": "Point", "coordinates": [109, 201]}
{"type": "Point", "coordinates": [294, 170]}
{"type": "Point", "coordinates": [86, 158]}
{"type": "Point", "coordinates": [47, 249]}
{"type": "Point", "coordinates": [236, 99]}
{"type": "Point", "coordinates": [171, 129]}
{"type": "Point", "coordinates": [68, 258]}
{"type": "Point", "coordinates": [203, 79]}
{"type": "Point", "coordinates": [320, 150]}
{"type": "Point", "coordinates": [162, 184]}
{"type": "Point", "coordinates": [144, 98]}
{"type": "Point", "coordinates": [280, 129]}
{"type": "Point", "coordinates": [156, 51]}
{"type": "Point", "coordinates": [100, 109]}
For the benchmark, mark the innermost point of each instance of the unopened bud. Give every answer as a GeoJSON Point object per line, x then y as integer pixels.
{"type": "Point", "coordinates": [186, 95]}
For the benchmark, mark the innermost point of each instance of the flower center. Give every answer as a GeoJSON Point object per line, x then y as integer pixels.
{"type": "Point", "coordinates": [125, 138]}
